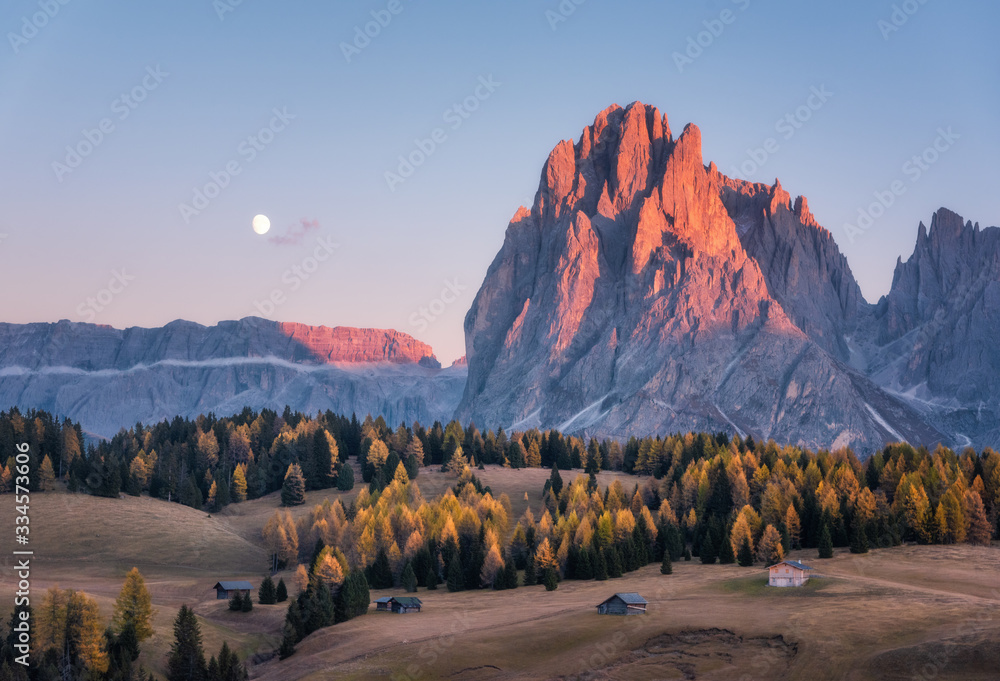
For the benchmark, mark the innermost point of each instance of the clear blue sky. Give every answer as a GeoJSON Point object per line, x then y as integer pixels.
{"type": "Point", "coordinates": [220, 79]}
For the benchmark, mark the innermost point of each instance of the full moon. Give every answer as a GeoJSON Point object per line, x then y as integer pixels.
{"type": "Point", "coordinates": [261, 224]}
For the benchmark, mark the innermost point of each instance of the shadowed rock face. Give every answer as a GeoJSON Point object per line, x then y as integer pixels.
{"type": "Point", "coordinates": [646, 293]}
{"type": "Point", "coordinates": [108, 378]}
{"type": "Point", "coordinates": [934, 337]}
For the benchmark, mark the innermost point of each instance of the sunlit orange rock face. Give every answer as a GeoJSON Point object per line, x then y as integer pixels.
{"type": "Point", "coordinates": [644, 292]}
{"type": "Point", "coordinates": [346, 344]}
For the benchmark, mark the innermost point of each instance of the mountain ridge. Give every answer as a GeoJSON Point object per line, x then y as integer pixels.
{"type": "Point", "coordinates": [644, 292]}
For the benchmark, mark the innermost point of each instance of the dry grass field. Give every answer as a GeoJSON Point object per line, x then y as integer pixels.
{"type": "Point", "coordinates": [928, 612]}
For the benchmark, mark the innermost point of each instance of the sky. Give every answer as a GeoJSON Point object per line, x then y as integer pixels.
{"type": "Point", "coordinates": [138, 140]}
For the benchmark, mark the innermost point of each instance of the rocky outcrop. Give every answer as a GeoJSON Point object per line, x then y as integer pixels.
{"type": "Point", "coordinates": [109, 378]}
{"type": "Point", "coordinates": [804, 269]}
{"type": "Point", "coordinates": [92, 347]}
{"type": "Point", "coordinates": [634, 297]}
{"type": "Point", "coordinates": [934, 340]}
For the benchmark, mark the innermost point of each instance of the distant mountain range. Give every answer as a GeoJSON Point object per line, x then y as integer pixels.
{"type": "Point", "coordinates": [109, 379]}
{"type": "Point", "coordinates": [642, 293]}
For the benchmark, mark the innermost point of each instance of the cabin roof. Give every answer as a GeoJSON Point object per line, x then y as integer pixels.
{"type": "Point", "coordinates": [384, 599]}
{"type": "Point", "coordinates": [630, 598]}
{"type": "Point", "coordinates": [407, 601]}
{"type": "Point", "coordinates": [233, 586]}
{"type": "Point", "coordinates": [792, 563]}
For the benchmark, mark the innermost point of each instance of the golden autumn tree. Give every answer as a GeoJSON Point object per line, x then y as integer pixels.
{"type": "Point", "coordinates": [239, 492]}
{"type": "Point", "coordinates": [134, 607]}
{"type": "Point", "coordinates": [770, 551]}
{"type": "Point", "coordinates": [46, 475]}
{"type": "Point", "coordinates": [491, 566]}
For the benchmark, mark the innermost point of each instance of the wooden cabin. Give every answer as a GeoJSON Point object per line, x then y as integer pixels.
{"type": "Point", "coordinates": [788, 573]}
{"type": "Point", "coordinates": [623, 604]}
{"type": "Point", "coordinates": [398, 604]}
{"type": "Point", "coordinates": [225, 590]}
{"type": "Point", "coordinates": [404, 604]}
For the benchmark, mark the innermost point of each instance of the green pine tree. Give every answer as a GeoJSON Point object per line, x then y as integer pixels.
{"type": "Point", "coordinates": [187, 657]}
{"type": "Point", "coordinates": [281, 592]}
{"type": "Point", "coordinates": [288, 641]}
{"type": "Point", "coordinates": [293, 489]}
{"type": "Point", "coordinates": [745, 556]}
{"type": "Point", "coordinates": [859, 539]}
{"type": "Point", "coordinates": [707, 553]}
{"type": "Point", "coordinates": [666, 567]}
{"type": "Point", "coordinates": [601, 567]}
{"type": "Point", "coordinates": [614, 558]}
{"type": "Point", "coordinates": [530, 576]}
{"type": "Point", "coordinates": [550, 579]}
{"type": "Point", "coordinates": [456, 576]}
{"type": "Point", "coordinates": [345, 478]}
{"type": "Point", "coordinates": [432, 579]}
{"type": "Point", "coordinates": [726, 555]}
{"type": "Point", "coordinates": [409, 578]}
{"type": "Point", "coordinates": [584, 570]}
{"type": "Point", "coordinates": [267, 594]}
{"type": "Point", "coordinates": [825, 543]}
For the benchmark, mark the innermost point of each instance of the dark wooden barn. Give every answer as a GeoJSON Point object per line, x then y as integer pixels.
{"type": "Point", "coordinates": [398, 604]}
{"type": "Point", "coordinates": [623, 604]}
{"type": "Point", "coordinates": [225, 590]}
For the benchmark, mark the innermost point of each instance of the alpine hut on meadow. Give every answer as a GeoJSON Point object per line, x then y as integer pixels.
{"type": "Point", "coordinates": [404, 604]}
{"type": "Point", "coordinates": [225, 590]}
{"type": "Point", "coordinates": [788, 573]}
{"type": "Point", "coordinates": [623, 604]}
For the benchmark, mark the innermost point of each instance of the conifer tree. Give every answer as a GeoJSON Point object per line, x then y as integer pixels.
{"type": "Point", "coordinates": [859, 539]}
{"type": "Point", "coordinates": [240, 483]}
{"type": "Point", "coordinates": [432, 580]}
{"type": "Point", "coordinates": [584, 570]}
{"type": "Point", "coordinates": [726, 555]}
{"type": "Point", "coordinates": [745, 557]}
{"type": "Point", "coordinates": [46, 475]}
{"type": "Point", "coordinates": [456, 576]}
{"type": "Point", "coordinates": [601, 568]}
{"type": "Point", "coordinates": [353, 598]}
{"type": "Point", "coordinates": [236, 601]}
{"type": "Point", "coordinates": [187, 657]}
{"type": "Point", "coordinates": [530, 574]}
{"type": "Point", "coordinates": [769, 550]}
{"type": "Point", "coordinates": [555, 481]}
{"type": "Point", "coordinates": [288, 641]}
{"type": "Point", "coordinates": [134, 607]}
{"type": "Point", "coordinates": [707, 552]}
{"type": "Point", "coordinates": [825, 542]}
{"type": "Point", "coordinates": [345, 478]}
{"type": "Point", "coordinates": [408, 580]}
{"type": "Point", "coordinates": [281, 592]}
{"type": "Point", "coordinates": [293, 490]}
{"type": "Point", "coordinates": [267, 594]}
{"type": "Point", "coordinates": [550, 578]}
{"type": "Point", "coordinates": [666, 567]}
{"type": "Point", "coordinates": [614, 558]}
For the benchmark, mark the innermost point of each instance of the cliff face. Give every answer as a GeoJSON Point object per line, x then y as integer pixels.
{"type": "Point", "coordinates": [635, 297]}
{"type": "Point", "coordinates": [108, 378]}
{"type": "Point", "coordinates": [935, 334]}
{"type": "Point", "coordinates": [804, 269]}
{"type": "Point", "coordinates": [91, 347]}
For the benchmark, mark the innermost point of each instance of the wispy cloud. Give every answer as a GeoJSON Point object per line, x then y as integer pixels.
{"type": "Point", "coordinates": [295, 234]}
